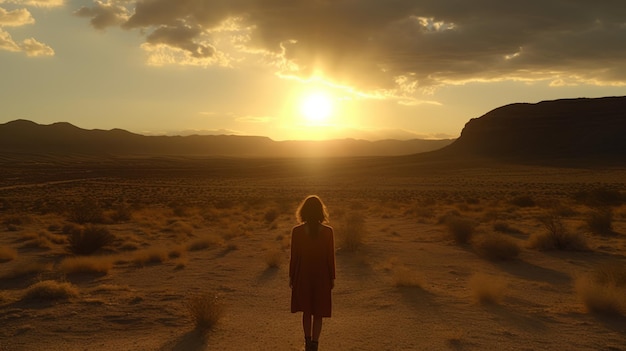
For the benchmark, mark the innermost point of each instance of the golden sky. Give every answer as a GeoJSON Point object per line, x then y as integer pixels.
{"type": "Point", "coordinates": [301, 69]}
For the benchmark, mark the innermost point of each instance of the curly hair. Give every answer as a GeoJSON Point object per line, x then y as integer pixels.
{"type": "Point", "coordinates": [312, 211]}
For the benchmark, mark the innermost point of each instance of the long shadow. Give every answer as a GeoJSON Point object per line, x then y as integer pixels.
{"type": "Point", "coordinates": [267, 275]}
{"type": "Point", "coordinates": [190, 341]}
{"type": "Point", "coordinates": [533, 272]}
{"type": "Point", "coordinates": [519, 320]}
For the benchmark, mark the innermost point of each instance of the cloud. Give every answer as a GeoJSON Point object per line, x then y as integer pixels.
{"type": "Point", "coordinates": [104, 14]}
{"type": "Point", "coordinates": [15, 18]}
{"type": "Point", "coordinates": [402, 47]}
{"type": "Point", "coordinates": [34, 48]}
{"type": "Point", "coordinates": [20, 17]}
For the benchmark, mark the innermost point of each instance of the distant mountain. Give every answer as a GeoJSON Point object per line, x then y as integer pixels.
{"type": "Point", "coordinates": [591, 129]}
{"type": "Point", "coordinates": [26, 137]}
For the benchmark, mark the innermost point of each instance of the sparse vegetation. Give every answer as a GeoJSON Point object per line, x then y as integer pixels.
{"type": "Point", "coordinates": [86, 211]}
{"type": "Point", "coordinates": [82, 264]}
{"type": "Point", "coordinates": [7, 254]}
{"type": "Point", "coordinates": [150, 256]}
{"type": "Point", "coordinates": [89, 240]}
{"type": "Point", "coordinates": [460, 228]}
{"type": "Point", "coordinates": [496, 247]}
{"type": "Point", "coordinates": [274, 258]}
{"type": "Point", "coordinates": [600, 221]}
{"type": "Point", "coordinates": [204, 242]}
{"type": "Point", "coordinates": [27, 268]}
{"type": "Point", "coordinates": [557, 237]}
{"type": "Point", "coordinates": [352, 233]}
{"type": "Point", "coordinates": [405, 277]}
{"type": "Point", "coordinates": [523, 201]}
{"type": "Point", "coordinates": [205, 311]}
{"type": "Point", "coordinates": [487, 289]}
{"type": "Point", "coordinates": [604, 290]}
{"type": "Point", "coordinates": [50, 290]}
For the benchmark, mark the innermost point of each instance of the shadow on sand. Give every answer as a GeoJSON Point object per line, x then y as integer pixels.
{"type": "Point", "coordinates": [533, 272]}
{"type": "Point", "coordinates": [191, 341]}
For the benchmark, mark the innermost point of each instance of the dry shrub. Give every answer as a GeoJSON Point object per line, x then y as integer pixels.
{"type": "Point", "coordinates": [523, 201]}
{"type": "Point", "coordinates": [86, 211]}
{"type": "Point", "coordinates": [604, 290]}
{"type": "Point", "coordinates": [150, 255]}
{"type": "Point", "coordinates": [205, 311]}
{"type": "Point", "coordinates": [557, 237]}
{"type": "Point", "coordinates": [48, 290]}
{"type": "Point", "coordinates": [504, 227]}
{"type": "Point", "coordinates": [27, 268]}
{"type": "Point", "coordinates": [73, 265]}
{"type": "Point", "coordinates": [7, 254]}
{"type": "Point", "coordinates": [89, 240]}
{"type": "Point", "coordinates": [271, 215]}
{"type": "Point", "coordinates": [496, 247]}
{"type": "Point", "coordinates": [600, 221]}
{"type": "Point", "coordinates": [461, 229]}
{"type": "Point", "coordinates": [487, 289]}
{"type": "Point", "coordinates": [404, 277]}
{"type": "Point", "coordinates": [205, 242]}
{"type": "Point", "coordinates": [274, 258]}
{"type": "Point", "coordinates": [352, 231]}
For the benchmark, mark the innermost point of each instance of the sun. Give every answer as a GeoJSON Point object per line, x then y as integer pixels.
{"type": "Point", "coordinates": [316, 108]}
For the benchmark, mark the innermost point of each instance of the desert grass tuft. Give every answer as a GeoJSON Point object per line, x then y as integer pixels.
{"type": "Point", "coordinates": [26, 269]}
{"type": "Point", "coordinates": [504, 227]}
{"type": "Point", "coordinates": [461, 229]}
{"type": "Point", "coordinates": [405, 277]}
{"type": "Point", "coordinates": [487, 289]}
{"type": "Point", "coordinates": [205, 311]}
{"type": "Point", "coordinates": [83, 264]}
{"type": "Point", "coordinates": [557, 237]}
{"type": "Point", "coordinates": [604, 290]}
{"type": "Point", "coordinates": [89, 240]}
{"type": "Point", "coordinates": [352, 232]}
{"type": "Point", "coordinates": [7, 254]}
{"type": "Point", "coordinates": [274, 258]}
{"type": "Point", "coordinates": [151, 255]}
{"type": "Point", "coordinates": [496, 247]}
{"type": "Point", "coordinates": [600, 221]}
{"type": "Point", "coordinates": [49, 290]}
{"type": "Point", "coordinates": [205, 242]}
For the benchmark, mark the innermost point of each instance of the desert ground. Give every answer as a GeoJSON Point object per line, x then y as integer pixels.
{"type": "Point", "coordinates": [470, 257]}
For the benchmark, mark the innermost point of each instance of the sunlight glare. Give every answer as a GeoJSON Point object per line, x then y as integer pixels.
{"type": "Point", "coordinates": [316, 108]}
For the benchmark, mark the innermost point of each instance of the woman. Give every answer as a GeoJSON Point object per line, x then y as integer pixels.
{"type": "Point", "coordinates": [312, 268]}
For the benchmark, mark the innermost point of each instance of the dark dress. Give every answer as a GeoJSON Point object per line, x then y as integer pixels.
{"type": "Point", "coordinates": [312, 270]}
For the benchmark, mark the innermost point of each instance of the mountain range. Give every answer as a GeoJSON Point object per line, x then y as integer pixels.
{"type": "Point", "coordinates": [570, 129]}
{"type": "Point", "coordinates": [62, 138]}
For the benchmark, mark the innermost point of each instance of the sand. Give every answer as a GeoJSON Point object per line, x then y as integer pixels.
{"type": "Point", "coordinates": [407, 287]}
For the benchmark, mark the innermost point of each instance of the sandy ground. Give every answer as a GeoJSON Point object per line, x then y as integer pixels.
{"type": "Point", "coordinates": [141, 307]}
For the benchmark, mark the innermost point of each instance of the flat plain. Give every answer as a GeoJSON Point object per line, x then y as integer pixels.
{"type": "Point", "coordinates": [429, 256]}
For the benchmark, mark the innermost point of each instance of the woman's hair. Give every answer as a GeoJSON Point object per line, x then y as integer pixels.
{"type": "Point", "coordinates": [312, 211]}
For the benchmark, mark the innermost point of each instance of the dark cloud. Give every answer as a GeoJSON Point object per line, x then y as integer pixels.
{"type": "Point", "coordinates": [378, 44]}
{"type": "Point", "coordinates": [104, 15]}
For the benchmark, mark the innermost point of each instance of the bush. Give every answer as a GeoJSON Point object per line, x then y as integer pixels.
{"type": "Point", "coordinates": [72, 265]}
{"type": "Point", "coordinates": [205, 310]}
{"type": "Point", "coordinates": [353, 232]}
{"type": "Point", "coordinates": [151, 255]}
{"type": "Point", "coordinates": [89, 240]}
{"type": "Point", "coordinates": [274, 258]}
{"type": "Point", "coordinates": [600, 221]}
{"type": "Point", "coordinates": [496, 247]}
{"type": "Point", "coordinates": [604, 290]}
{"type": "Point", "coordinates": [523, 201]}
{"type": "Point", "coordinates": [557, 237]}
{"type": "Point", "coordinates": [50, 290]}
{"type": "Point", "coordinates": [271, 215]}
{"type": "Point", "coordinates": [486, 289]}
{"type": "Point", "coordinates": [7, 254]}
{"type": "Point", "coordinates": [461, 229]}
{"type": "Point", "coordinates": [602, 196]}
{"type": "Point", "coordinates": [503, 227]}
{"type": "Point", "coordinates": [86, 211]}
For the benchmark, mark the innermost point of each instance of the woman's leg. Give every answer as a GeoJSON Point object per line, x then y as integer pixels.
{"type": "Point", "coordinates": [306, 325]}
{"type": "Point", "coordinates": [317, 328]}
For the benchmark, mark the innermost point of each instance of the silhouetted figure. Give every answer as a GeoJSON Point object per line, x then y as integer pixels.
{"type": "Point", "coordinates": [312, 268]}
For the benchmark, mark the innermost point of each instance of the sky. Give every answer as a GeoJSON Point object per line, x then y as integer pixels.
{"type": "Point", "coordinates": [301, 69]}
